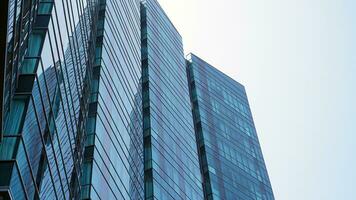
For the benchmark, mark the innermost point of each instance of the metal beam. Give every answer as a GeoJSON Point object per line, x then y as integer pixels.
{"type": "Point", "coordinates": [4, 9]}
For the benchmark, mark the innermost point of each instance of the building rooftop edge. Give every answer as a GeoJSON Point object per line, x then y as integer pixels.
{"type": "Point", "coordinates": [193, 54]}
{"type": "Point", "coordinates": [164, 12]}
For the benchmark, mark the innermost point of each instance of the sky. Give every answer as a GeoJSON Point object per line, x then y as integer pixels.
{"type": "Point", "coordinates": [297, 60]}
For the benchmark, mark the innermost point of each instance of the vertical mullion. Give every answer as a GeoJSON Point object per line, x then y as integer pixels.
{"type": "Point", "coordinates": [4, 9]}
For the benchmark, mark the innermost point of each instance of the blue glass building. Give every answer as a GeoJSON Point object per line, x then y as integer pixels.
{"type": "Point", "coordinates": [171, 157]}
{"type": "Point", "coordinates": [113, 163]}
{"type": "Point", "coordinates": [230, 155]}
{"type": "Point", "coordinates": [72, 117]}
{"type": "Point", "coordinates": [99, 102]}
{"type": "Point", "coordinates": [40, 154]}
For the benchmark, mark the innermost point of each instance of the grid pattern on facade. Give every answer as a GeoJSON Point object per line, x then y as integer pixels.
{"type": "Point", "coordinates": [231, 159]}
{"type": "Point", "coordinates": [114, 166]}
{"type": "Point", "coordinates": [171, 158]}
{"type": "Point", "coordinates": [99, 103]}
{"type": "Point", "coordinates": [48, 68]}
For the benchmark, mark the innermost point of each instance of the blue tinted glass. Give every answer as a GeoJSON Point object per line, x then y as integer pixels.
{"type": "Point", "coordinates": [171, 147]}
{"type": "Point", "coordinates": [231, 157]}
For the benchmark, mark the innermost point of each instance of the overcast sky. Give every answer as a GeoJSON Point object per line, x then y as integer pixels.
{"type": "Point", "coordinates": [297, 59]}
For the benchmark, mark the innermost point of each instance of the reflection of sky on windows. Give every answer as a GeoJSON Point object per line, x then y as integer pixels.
{"type": "Point", "coordinates": [46, 56]}
{"type": "Point", "coordinates": [233, 154]}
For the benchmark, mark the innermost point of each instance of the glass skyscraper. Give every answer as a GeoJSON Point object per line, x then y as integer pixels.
{"type": "Point", "coordinates": [230, 155]}
{"type": "Point", "coordinates": [171, 157]}
{"type": "Point", "coordinates": [45, 93]}
{"type": "Point", "coordinates": [72, 117]}
{"type": "Point", "coordinates": [113, 163]}
{"type": "Point", "coordinates": [99, 102]}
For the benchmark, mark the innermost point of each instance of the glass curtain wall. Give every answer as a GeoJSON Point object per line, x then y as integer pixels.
{"type": "Point", "coordinates": [230, 154]}
{"type": "Point", "coordinates": [48, 70]}
{"type": "Point", "coordinates": [113, 165]}
{"type": "Point", "coordinates": [171, 157]}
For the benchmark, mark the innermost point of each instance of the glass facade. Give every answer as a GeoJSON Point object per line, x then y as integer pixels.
{"type": "Point", "coordinates": [230, 155]}
{"type": "Point", "coordinates": [113, 165]}
{"type": "Point", "coordinates": [99, 102]}
{"type": "Point", "coordinates": [49, 65]}
{"type": "Point", "coordinates": [72, 101]}
{"type": "Point", "coordinates": [171, 157]}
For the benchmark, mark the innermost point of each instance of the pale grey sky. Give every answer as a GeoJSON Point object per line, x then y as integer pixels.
{"type": "Point", "coordinates": [297, 59]}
